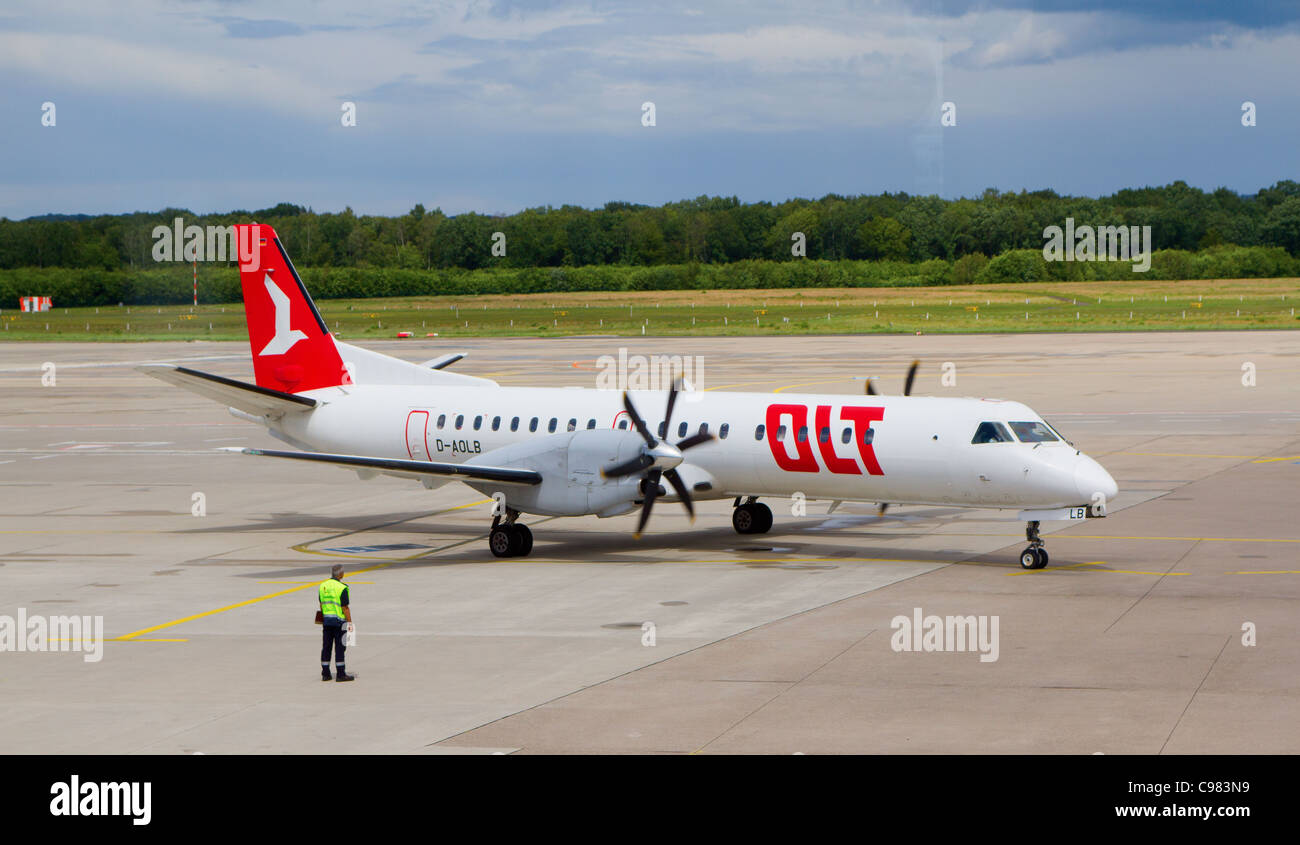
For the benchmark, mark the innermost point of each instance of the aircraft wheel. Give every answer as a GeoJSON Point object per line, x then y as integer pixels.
{"type": "Point", "coordinates": [1033, 558]}
{"type": "Point", "coordinates": [525, 539]}
{"type": "Point", "coordinates": [503, 541]}
{"type": "Point", "coordinates": [762, 518]}
{"type": "Point", "coordinates": [743, 519]}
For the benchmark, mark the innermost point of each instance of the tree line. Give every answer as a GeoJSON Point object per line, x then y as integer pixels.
{"type": "Point", "coordinates": [706, 230]}
{"type": "Point", "coordinates": [170, 284]}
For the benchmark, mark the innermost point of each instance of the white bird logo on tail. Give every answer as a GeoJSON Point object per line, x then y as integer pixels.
{"type": "Point", "coordinates": [285, 337]}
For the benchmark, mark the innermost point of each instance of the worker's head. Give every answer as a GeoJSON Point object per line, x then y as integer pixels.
{"type": "Point", "coordinates": [336, 572]}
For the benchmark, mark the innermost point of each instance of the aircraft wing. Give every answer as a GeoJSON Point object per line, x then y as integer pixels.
{"type": "Point", "coordinates": [408, 469]}
{"type": "Point", "coordinates": [262, 401]}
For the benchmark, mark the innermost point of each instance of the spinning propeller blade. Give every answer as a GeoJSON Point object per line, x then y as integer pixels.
{"type": "Point", "coordinates": [646, 462]}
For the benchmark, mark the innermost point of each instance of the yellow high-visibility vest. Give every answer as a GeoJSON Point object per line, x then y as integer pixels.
{"type": "Point", "coordinates": [331, 598]}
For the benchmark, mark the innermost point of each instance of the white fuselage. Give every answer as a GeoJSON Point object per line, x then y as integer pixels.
{"type": "Point", "coordinates": [920, 449]}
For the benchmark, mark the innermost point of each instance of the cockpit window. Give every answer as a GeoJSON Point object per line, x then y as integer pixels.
{"type": "Point", "coordinates": [1058, 433]}
{"type": "Point", "coordinates": [1033, 432]}
{"type": "Point", "coordinates": [992, 432]}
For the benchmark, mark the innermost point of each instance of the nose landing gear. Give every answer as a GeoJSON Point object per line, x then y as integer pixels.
{"type": "Point", "coordinates": [1034, 557]}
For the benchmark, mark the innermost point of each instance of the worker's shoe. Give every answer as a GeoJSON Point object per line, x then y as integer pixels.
{"type": "Point", "coordinates": [344, 676]}
{"type": "Point", "coordinates": [325, 675]}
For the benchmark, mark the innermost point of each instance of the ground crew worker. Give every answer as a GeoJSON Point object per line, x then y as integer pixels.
{"type": "Point", "coordinates": [336, 619]}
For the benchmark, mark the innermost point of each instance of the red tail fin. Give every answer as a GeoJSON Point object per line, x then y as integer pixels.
{"type": "Point", "coordinates": [292, 349]}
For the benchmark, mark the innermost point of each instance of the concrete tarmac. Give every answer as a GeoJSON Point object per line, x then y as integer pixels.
{"type": "Point", "coordinates": [115, 501]}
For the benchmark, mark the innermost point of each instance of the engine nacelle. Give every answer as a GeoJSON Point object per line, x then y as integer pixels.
{"type": "Point", "coordinates": [570, 464]}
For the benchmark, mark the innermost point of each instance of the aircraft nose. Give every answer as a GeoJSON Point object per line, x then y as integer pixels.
{"type": "Point", "coordinates": [1091, 478]}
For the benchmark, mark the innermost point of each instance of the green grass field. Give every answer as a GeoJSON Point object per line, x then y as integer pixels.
{"type": "Point", "coordinates": [1040, 307]}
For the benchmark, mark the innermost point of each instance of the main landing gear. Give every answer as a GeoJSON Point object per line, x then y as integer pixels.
{"type": "Point", "coordinates": [751, 517]}
{"type": "Point", "coordinates": [1034, 557]}
{"type": "Point", "coordinates": [510, 538]}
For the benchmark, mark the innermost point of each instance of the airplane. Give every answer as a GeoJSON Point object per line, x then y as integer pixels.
{"type": "Point", "coordinates": [577, 452]}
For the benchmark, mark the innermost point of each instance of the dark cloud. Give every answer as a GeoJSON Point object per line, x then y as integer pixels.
{"type": "Point", "coordinates": [516, 111]}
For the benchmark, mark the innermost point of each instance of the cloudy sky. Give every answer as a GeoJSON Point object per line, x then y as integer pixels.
{"type": "Point", "coordinates": [474, 105]}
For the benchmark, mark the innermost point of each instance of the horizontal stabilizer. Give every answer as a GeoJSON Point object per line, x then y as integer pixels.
{"type": "Point", "coordinates": [443, 360]}
{"type": "Point", "coordinates": [369, 367]}
{"type": "Point", "coordinates": [262, 401]}
{"type": "Point", "coordinates": [408, 469]}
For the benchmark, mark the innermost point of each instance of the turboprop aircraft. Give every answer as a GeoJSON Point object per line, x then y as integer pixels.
{"type": "Point", "coordinates": [576, 452]}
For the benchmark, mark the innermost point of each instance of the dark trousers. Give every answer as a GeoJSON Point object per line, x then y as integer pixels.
{"type": "Point", "coordinates": [331, 637]}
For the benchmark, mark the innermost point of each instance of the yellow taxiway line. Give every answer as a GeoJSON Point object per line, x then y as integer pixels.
{"type": "Point", "coordinates": [1184, 455]}
{"type": "Point", "coordinates": [134, 635]}
{"type": "Point", "coordinates": [1188, 539]}
{"type": "Point", "coordinates": [839, 380]}
{"type": "Point", "coordinates": [311, 582]}
{"type": "Point", "coordinates": [1079, 566]}
{"type": "Point", "coordinates": [137, 636]}
{"type": "Point", "coordinates": [1254, 459]}
{"type": "Point", "coordinates": [302, 547]}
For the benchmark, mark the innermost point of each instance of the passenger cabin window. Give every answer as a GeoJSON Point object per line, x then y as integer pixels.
{"type": "Point", "coordinates": [550, 427]}
{"type": "Point", "coordinates": [758, 432]}
{"type": "Point", "coordinates": [514, 424]}
{"type": "Point", "coordinates": [496, 423]}
{"type": "Point", "coordinates": [681, 429]}
{"type": "Point", "coordinates": [460, 420]}
{"type": "Point", "coordinates": [846, 435]}
{"type": "Point", "coordinates": [442, 420]}
{"type": "Point", "coordinates": [724, 430]}
{"type": "Point", "coordinates": [623, 424]}
{"type": "Point", "coordinates": [573, 425]}
{"type": "Point", "coordinates": [532, 424]}
{"type": "Point", "coordinates": [663, 429]}
{"type": "Point", "coordinates": [591, 423]}
{"type": "Point", "coordinates": [704, 428]}
{"type": "Point", "coordinates": [1033, 432]}
{"type": "Point", "coordinates": [478, 422]}
{"type": "Point", "coordinates": [802, 436]}
{"type": "Point", "coordinates": [991, 432]}
{"type": "Point", "coordinates": [868, 436]}
{"type": "Point", "coordinates": [824, 435]}
{"type": "Point", "coordinates": [780, 432]}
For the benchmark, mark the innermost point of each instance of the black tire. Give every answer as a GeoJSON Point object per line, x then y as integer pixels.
{"type": "Point", "coordinates": [516, 540]}
{"type": "Point", "coordinates": [502, 541]}
{"type": "Point", "coordinates": [1029, 558]}
{"type": "Point", "coordinates": [525, 539]}
{"type": "Point", "coordinates": [743, 519]}
{"type": "Point", "coordinates": [1042, 553]}
{"type": "Point", "coordinates": [763, 518]}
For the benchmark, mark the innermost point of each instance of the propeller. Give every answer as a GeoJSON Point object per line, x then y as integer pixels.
{"type": "Point", "coordinates": [907, 391]}
{"type": "Point", "coordinates": [907, 385]}
{"type": "Point", "coordinates": [658, 459]}
{"type": "Point", "coordinates": [911, 377]}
